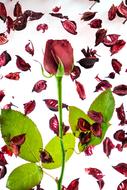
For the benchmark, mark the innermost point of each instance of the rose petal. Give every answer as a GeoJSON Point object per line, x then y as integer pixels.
{"type": "Point", "coordinates": [111, 75]}
{"type": "Point", "coordinates": [56, 9]}
{"type": "Point", "coordinates": [95, 173]}
{"type": "Point", "coordinates": [75, 73]}
{"type": "Point", "coordinates": [101, 183]}
{"type": "Point", "coordinates": [100, 35]}
{"type": "Point", "coordinates": [89, 150]}
{"type": "Point", "coordinates": [122, 185]}
{"type": "Point", "coordinates": [3, 171]}
{"type": "Point", "coordinates": [32, 15]}
{"type": "Point", "coordinates": [96, 23]}
{"type": "Point", "coordinates": [39, 86]}
{"type": "Point", "coordinates": [112, 12]}
{"type": "Point", "coordinates": [18, 140]}
{"type": "Point", "coordinates": [121, 168]}
{"type": "Point", "coordinates": [83, 125]}
{"type": "Point", "coordinates": [119, 147]}
{"type": "Point", "coordinates": [104, 84]}
{"type": "Point", "coordinates": [80, 89]}
{"type": "Point", "coordinates": [88, 62]}
{"type": "Point", "coordinates": [45, 157]}
{"type": "Point", "coordinates": [4, 58]}
{"type": "Point", "coordinates": [111, 39]}
{"type": "Point", "coordinates": [69, 26]}
{"type": "Point", "coordinates": [3, 161]}
{"type": "Point", "coordinates": [3, 38]}
{"type": "Point", "coordinates": [29, 106]}
{"type": "Point", "coordinates": [74, 185]}
{"type": "Point", "coordinates": [96, 116]}
{"type": "Point", "coordinates": [120, 90]}
{"type": "Point", "coordinates": [9, 23]}
{"type": "Point", "coordinates": [59, 15]}
{"type": "Point", "coordinates": [29, 48]}
{"type": "Point", "coordinates": [21, 22]}
{"type": "Point", "coordinates": [54, 124]}
{"type": "Point", "coordinates": [21, 64]}
{"type": "Point", "coordinates": [88, 16]}
{"type": "Point", "coordinates": [3, 11]}
{"type": "Point", "coordinates": [122, 9]}
{"type": "Point", "coordinates": [96, 129]}
{"type": "Point", "coordinates": [6, 150]}
{"type": "Point", "coordinates": [84, 137]}
{"type": "Point", "coordinates": [17, 10]}
{"type": "Point", "coordinates": [121, 115]}
{"type": "Point", "coordinates": [107, 146]}
{"type": "Point", "coordinates": [119, 135]}
{"type": "Point", "coordinates": [52, 104]}
{"type": "Point", "coordinates": [42, 27]}
{"type": "Point", "coordinates": [117, 46]}
{"type": "Point", "coordinates": [116, 65]}
{"type": "Point", "coordinates": [2, 94]}
{"type": "Point", "coordinates": [13, 76]}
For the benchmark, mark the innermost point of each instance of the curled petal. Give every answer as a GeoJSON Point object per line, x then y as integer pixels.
{"type": "Point", "coordinates": [70, 26]}
{"type": "Point", "coordinates": [88, 16]}
{"type": "Point", "coordinates": [3, 38]}
{"type": "Point", "coordinates": [42, 27]}
{"type": "Point", "coordinates": [120, 90]}
{"type": "Point", "coordinates": [9, 23]}
{"type": "Point", "coordinates": [111, 75]}
{"type": "Point", "coordinates": [96, 116]}
{"type": "Point", "coordinates": [96, 23]}
{"type": "Point", "coordinates": [88, 62]}
{"type": "Point", "coordinates": [45, 157]}
{"type": "Point", "coordinates": [122, 9]}
{"type": "Point", "coordinates": [83, 125]}
{"type": "Point", "coordinates": [84, 137]}
{"type": "Point", "coordinates": [74, 185]}
{"type": "Point", "coordinates": [100, 35]}
{"type": "Point", "coordinates": [29, 106]}
{"type": "Point", "coordinates": [3, 11]}
{"type": "Point", "coordinates": [56, 9]}
{"type": "Point", "coordinates": [29, 48]}
{"type": "Point", "coordinates": [121, 114]}
{"type": "Point", "coordinates": [112, 12]}
{"type": "Point", "coordinates": [111, 39]}
{"type": "Point", "coordinates": [4, 58]}
{"type": "Point", "coordinates": [107, 146]}
{"type": "Point", "coordinates": [17, 10]}
{"type": "Point", "coordinates": [75, 73]}
{"type": "Point", "coordinates": [119, 135]}
{"type": "Point", "coordinates": [59, 15]}
{"type": "Point", "coordinates": [18, 140]}
{"type": "Point", "coordinates": [39, 86]}
{"type": "Point", "coordinates": [52, 104]}
{"type": "Point", "coordinates": [6, 150]}
{"type": "Point", "coordinates": [122, 185]}
{"type": "Point", "coordinates": [89, 150]}
{"type": "Point", "coordinates": [121, 168]}
{"type": "Point", "coordinates": [20, 22]}
{"type": "Point", "coordinates": [3, 161]}
{"type": "Point", "coordinates": [80, 89]}
{"type": "Point", "coordinates": [3, 171]}
{"type": "Point", "coordinates": [101, 183]}
{"type": "Point", "coordinates": [54, 124]}
{"type": "Point", "coordinates": [13, 76]}
{"type": "Point", "coordinates": [21, 64]}
{"type": "Point", "coordinates": [2, 94]}
{"type": "Point", "coordinates": [96, 173]}
{"type": "Point", "coordinates": [117, 46]}
{"type": "Point", "coordinates": [104, 84]}
{"type": "Point", "coordinates": [32, 15]}
{"type": "Point", "coordinates": [96, 129]}
{"type": "Point", "coordinates": [116, 65]}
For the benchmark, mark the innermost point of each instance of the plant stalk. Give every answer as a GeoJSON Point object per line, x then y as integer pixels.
{"type": "Point", "coordinates": [59, 88]}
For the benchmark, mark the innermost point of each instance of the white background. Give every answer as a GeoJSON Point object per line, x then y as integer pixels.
{"type": "Point", "coordinates": [21, 89]}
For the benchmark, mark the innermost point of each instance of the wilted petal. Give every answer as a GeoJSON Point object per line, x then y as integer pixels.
{"type": "Point", "coordinates": [104, 84]}
{"type": "Point", "coordinates": [117, 46]}
{"type": "Point", "coordinates": [100, 35]}
{"type": "Point", "coordinates": [18, 140]}
{"type": "Point", "coordinates": [122, 185]}
{"type": "Point", "coordinates": [2, 94]}
{"type": "Point", "coordinates": [88, 16]}
{"type": "Point", "coordinates": [120, 90]}
{"type": "Point", "coordinates": [83, 125]}
{"type": "Point", "coordinates": [21, 64]}
{"type": "Point", "coordinates": [111, 75]}
{"type": "Point", "coordinates": [54, 124]}
{"type": "Point", "coordinates": [9, 23]}
{"type": "Point", "coordinates": [88, 62]}
{"type": "Point", "coordinates": [119, 147]}
{"type": "Point", "coordinates": [95, 173]}
{"type": "Point", "coordinates": [59, 15]}
{"type": "Point", "coordinates": [122, 9]}
{"type": "Point", "coordinates": [80, 89]}
{"type": "Point", "coordinates": [111, 39]}
{"type": "Point", "coordinates": [17, 10]}
{"type": "Point", "coordinates": [32, 15]}
{"type": "Point", "coordinates": [101, 183]}
{"type": "Point", "coordinates": [112, 12]}
{"type": "Point", "coordinates": [42, 27]}
{"type": "Point", "coordinates": [75, 73]}
{"type": "Point", "coordinates": [13, 76]}
{"type": "Point", "coordinates": [89, 150]}
{"type": "Point", "coordinates": [6, 150]}
{"type": "Point", "coordinates": [29, 48]}
{"type": "Point", "coordinates": [96, 23]}
{"type": "Point", "coordinates": [3, 161]}
{"type": "Point", "coordinates": [3, 38]}
{"type": "Point", "coordinates": [96, 129]}
{"type": "Point", "coordinates": [45, 157]}
{"type": "Point", "coordinates": [116, 65]}
{"type": "Point", "coordinates": [96, 116]}
{"type": "Point", "coordinates": [107, 146]}
{"type": "Point", "coordinates": [56, 9]}
{"type": "Point", "coordinates": [52, 104]}
{"type": "Point", "coordinates": [15, 149]}
{"type": "Point", "coordinates": [4, 58]}
{"type": "Point", "coordinates": [29, 106]}
{"type": "Point", "coordinates": [84, 137]}
{"type": "Point", "coordinates": [121, 168]}
{"type": "Point", "coordinates": [121, 115]}
{"type": "Point", "coordinates": [74, 185]}
{"type": "Point", "coordinates": [70, 26]}
{"type": "Point", "coordinates": [119, 135]}
{"type": "Point", "coordinates": [8, 106]}
{"type": "Point", "coordinates": [20, 22]}
{"type": "Point", "coordinates": [3, 171]}
{"type": "Point", "coordinates": [3, 11]}
{"type": "Point", "coordinates": [39, 86]}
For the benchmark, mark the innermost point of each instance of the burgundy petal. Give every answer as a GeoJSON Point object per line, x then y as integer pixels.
{"type": "Point", "coordinates": [122, 9]}
{"type": "Point", "coordinates": [96, 23]}
{"type": "Point", "coordinates": [89, 150]}
{"type": "Point", "coordinates": [42, 27]}
{"type": "Point", "coordinates": [29, 48]}
{"type": "Point", "coordinates": [80, 89]}
{"type": "Point", "coordinates": [33, 15]}
{"type": "Point", "coordinates": [3, 161]}
{"type": "Point", "coordinates": [9, 23]}
{"type": "Point", "coordinates": [111, 75]}
{"type": "Point", "coordinates": [89, 52]}
{"type": "Point", "coordinates": [8, 106]}
{"type": "Point", "coordinates": [59, 15]}
{"type": "Point", "coordinates": [4, 58]}
{"type": "Point", "coordinates": [88, 16]}
{"type": "Point", "coordinates": [29, 106]}
{"type": "Point", "coordinates": [120, 90]}
{"type": "Point", "coordinates": [112, 12]}
{"type": "Point", "coordinates": [119, 135]}
{"type": "Point", "coordinates": [95, 173]}
{"type": "Point", "coordinates": [3, 11]}
{"type": "Point", "coordinates": [21, 64]}
{"type": "Point", "coordinates": [39, 86]}
{"type": "Point", "coordinates": [111, 39]}
{"type": "Point", "coordinates": [107, 146]}
{"type": "Point", "coordinates": [100, 35]}
{"type": "Point", "coordinates": [116, 65]}
{"type": "Point", "coordinates": [121, 115]}
{"type": "Point", "coordinates": [84, 137]}
{"type": "Point", "coordinates": [18, 140]}
{"type": "Point", "coordinates": [101, 183]}
{"type": "Point", "coordinates": [56, 9]}
{"type": "Point", "coordinates": [3, 38]}
{"type": "Point", "coordinates": [70, 26]}
{"type": "Point", "coordinates": [13, 76]}
{"type": "Point", "coordinates": [75, 73]}
{"type": "Point", "coordinates": [122, 185]}
{"type": "Point", "coordinates": [17, 10]}
{"type": "Point", "coordinates": [96, 129]}
{"type": "Point", "coordinates": [45, 157]}
{"type": "Point", "coordinates": [119, 147]}
{"type": "Point", "coordinates": [2, 94]}
{"type": "Point", "coordinates": [83, 125]}
{"type": "Point", "coordinates": [104, 84]}
{"type": "Point", "coordinates": [96, 116]}
{"type": "Point", "coordinates": [121, 168]}
{"type": "Point", "coordinates": [88, 62]}
{"type": "Point", "coordinates": [74, 185]}
{"type": "Point", "coordinates": [3, 171]}
{"type": "Point", "coordinates": [20, 22]}
{"type": "Point", "coordinates": [117, 46]}
{"type": "Point", "coordinates": [6, 150]}
{"type": "Point", "coordinates": [54, 124]}
{"type": "Point", "coordinates": [52, 104]}
{"type": "Point", "coordinates": [15, 149]}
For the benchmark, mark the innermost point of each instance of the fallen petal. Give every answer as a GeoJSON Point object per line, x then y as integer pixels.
{"type": "Point", "coordinates": [3, 171]}
{"type": "Point", "coordinates": [117, 46]}
{"type": "Point", "coordinates": [121, 168]}
{"type": "Point", "coordinates": [40, 86]}
{"type": "Point", "coordinates": [101, 183]}
{"type": "Point", "coordinates": [21, 64]}
{"type": "Point", "coordinates": [120, 90]}
{"type": "Point", "coordinates": [45, 157]}
{"type": "Point", "coordinates": [96, 23]}
{"type": "Point", "coordinates": [17, 10]}
{"type": "Point", "coordinates": [29, 48]}
{"type": "Point", "coordinates": [2, 94]}
{"type": "Point", "coordinates": [3, 38]}
{"type": "Point", "coordinates": [3, 11]}
{"type": "Point", "coordinates": [96, 173]}
{"type": "Point", "coordinates": [100, 35]}
{"type": "Point", "coordinates": [29, 107]}
{"type": "Point", "coordinates": [83, 125]}
{"type": "Point", "coordinates": [4, 58]}
{"type": "Point", "coordinates": [96, 116]}
{"type": "Point", "coordinates": [122, 185]}
{"type": "Point", "coordinates": [18, 140]}
{"type": "Point", "coordinates": [80, 89]}
{"type": "Point", "coordinates": [3, 161]}
{"type": "Point", "coordinates": [52, 104]}
{"type": "Point", "coordinates": [116, 65]}
{"type": "Point", "coordinates": [75, 73]}
{"type": "Point", "coordinates": [69, 26]}
{"type": "Point", "coordinates": [89, 150]}
{"type": "Point", "coordinates": [107, 146]}
{"type": "Point", "coordinates": [74, 185]}
{"type": "Point", "coordinates": [112, 12]}
{"type": "Point", "coordinates": [96, 129]}
{"type": "Point", "coordinates": [56, 9]}
{"type": "Point", "coordinates": [54, 125]}
{"type": "Point", "coordinates": [121, 115]}
{"type": "Point", "coordinates": [42, 27]}
{"type": "Point", "coordinates": [119, 135]}
{"type": "Point", "coordinates": [88, 16]}
{"type": "Point", "coordinates": [6, 150]}
{"type": "Point", "coordinates": [13, 76]}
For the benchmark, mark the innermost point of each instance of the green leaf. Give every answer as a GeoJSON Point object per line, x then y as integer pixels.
{"type": "Point", "coordinates": [105, 104]}
{"type": "Point", "coordinates": [14, 123]}
{"type": "Point", "coordinates": [25, 177]}
{"type": "Point", "coordinates": [54, 148]}
{"type": "Point", "coordinates": [74, 114]}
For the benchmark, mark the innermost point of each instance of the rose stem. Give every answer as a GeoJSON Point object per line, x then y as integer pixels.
{"type": "Point", "coordinates": [59, 88]}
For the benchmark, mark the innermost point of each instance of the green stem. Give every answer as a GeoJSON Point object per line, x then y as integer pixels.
{"type": "Point", "coordinates": [59, 87]}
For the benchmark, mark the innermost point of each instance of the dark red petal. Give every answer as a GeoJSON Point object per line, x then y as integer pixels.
{"type": "Point", "coordinates": [13, 76]}
{"type": "Point", "coordinates": [20, 22]}
{"type": "Point", "coordinates": [88, 62]}
{"type": "Point", "coordinates": [112, 12]}
{"type": "Point", "coordinates": [96, 116]}
{"type": "Point", "coordinates": [88, 16]}
{"type": "Point", "coordinates": [89, 53]}
{"type": "Point", "coordinates": [45, 157]}
{"type": "Point", "coordinates": [2, 94]}
{"type": "Point", "coordinates": [3, 161]}
{"type": "Point", "coordinates": [95, 173]}
{"type": "Point", "coordinates": [111, 39]}
{"type": "Point", "coordinates": [3, 11]}
{"type": "Point", "coordinates": [74, 185]}
{"type": "Point", "coordinates": [65, 128]}
{"type": "Point", "coordinates": [80, 89]}
{"type": "Point", "coordinates": [18, 140]}
{"type": "Point", "coordinates": [96, 129]}
{"type": "Point", "coordinates": [8, 106]}
{"type": "Point", "coordinates": [122, 185]}
{"type": "Point", "coordinates": [119, 135]}
{"type": "Point", "coordinates": [101, 183]}
{"type": "Point", "coordinates": [33, 15]}
{"type": "Point", "coordinates": [96, 23]}
{"type": "Point", "coordinates": [56, 9]}
{"type": "Point", "coordinates": [121, 115]}
{"type": "Point", "coordinates": [107, 146]}
{"type": "Point", "coordinates": [39, 86]}
{"type": "Point", "coordinates": [121, 168]}
{"type": "Point", "coordinates": [3, 171]}
{"type": "Point", "coordinates": [119, 147]}
{"type": "Point", "coordinates": [104, 84]}
{"type": "Point", "coordinates": [42, 27]}
{"type": "Point", "coordinates": [70, 26]}
{"type": "Point", "coordinates": [29, 48]}
{"type": "Point", "coordinates": [117, 46]}
{"type": "Point", "coordinates": [83, 125]}
{"type": "Point", "coordinates": [3, 38]}
{"type": "Point", "coordinates": [9, 23]}
{"type": "Point", "coordinates": [17, 10]}
{"type": "Point", "coordinates": [59, 15]}
{"type": "Point", "coordinates": [4, 58]}
{"type": "Point", "coordinates": [120, 90]}
{"type": "Point", "coordinates": [100, 35]}
{"type": "Point", "coordinates": [21, 64]}
{"type": "Point", "coordinates": [15, 149]}
{"type": "Point", "coordinates": [111, 75]}
{"type": "Point", "coordinates": [54, 124]}
{"type": "Point", "coordinates": [116, 65]}
{"type": "Point", "coordinates": [75, 73]}
{"type": "Point", "coordinates": [89, 150]}
{"type": "Point", "coordinates": [84, 137]}
{"type": "Point", "coordinates": [29, 106]}
{"type": "Point", "coordinates": [6, 150]}
{"type": "Point", "coordinates": [52, 104]}
{"type": "Point", "coordinates": [122, 9]}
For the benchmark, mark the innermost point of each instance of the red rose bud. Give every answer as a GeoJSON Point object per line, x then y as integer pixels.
{"type": "Point", "coordinates": [57, 51]}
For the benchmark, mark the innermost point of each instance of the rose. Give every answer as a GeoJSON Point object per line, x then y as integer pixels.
{"type": "Point", "coordinates": [56, 52]}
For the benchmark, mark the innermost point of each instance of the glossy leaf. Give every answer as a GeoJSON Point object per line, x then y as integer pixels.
{"type": "Point", "coordinates": [14, 123]}
{"type": "Point", "coordinates": [104, 103]}
{"type": "Point", "coordinates": [54, 149]}
{"type": "Point", "coordinates": [24, 177]}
